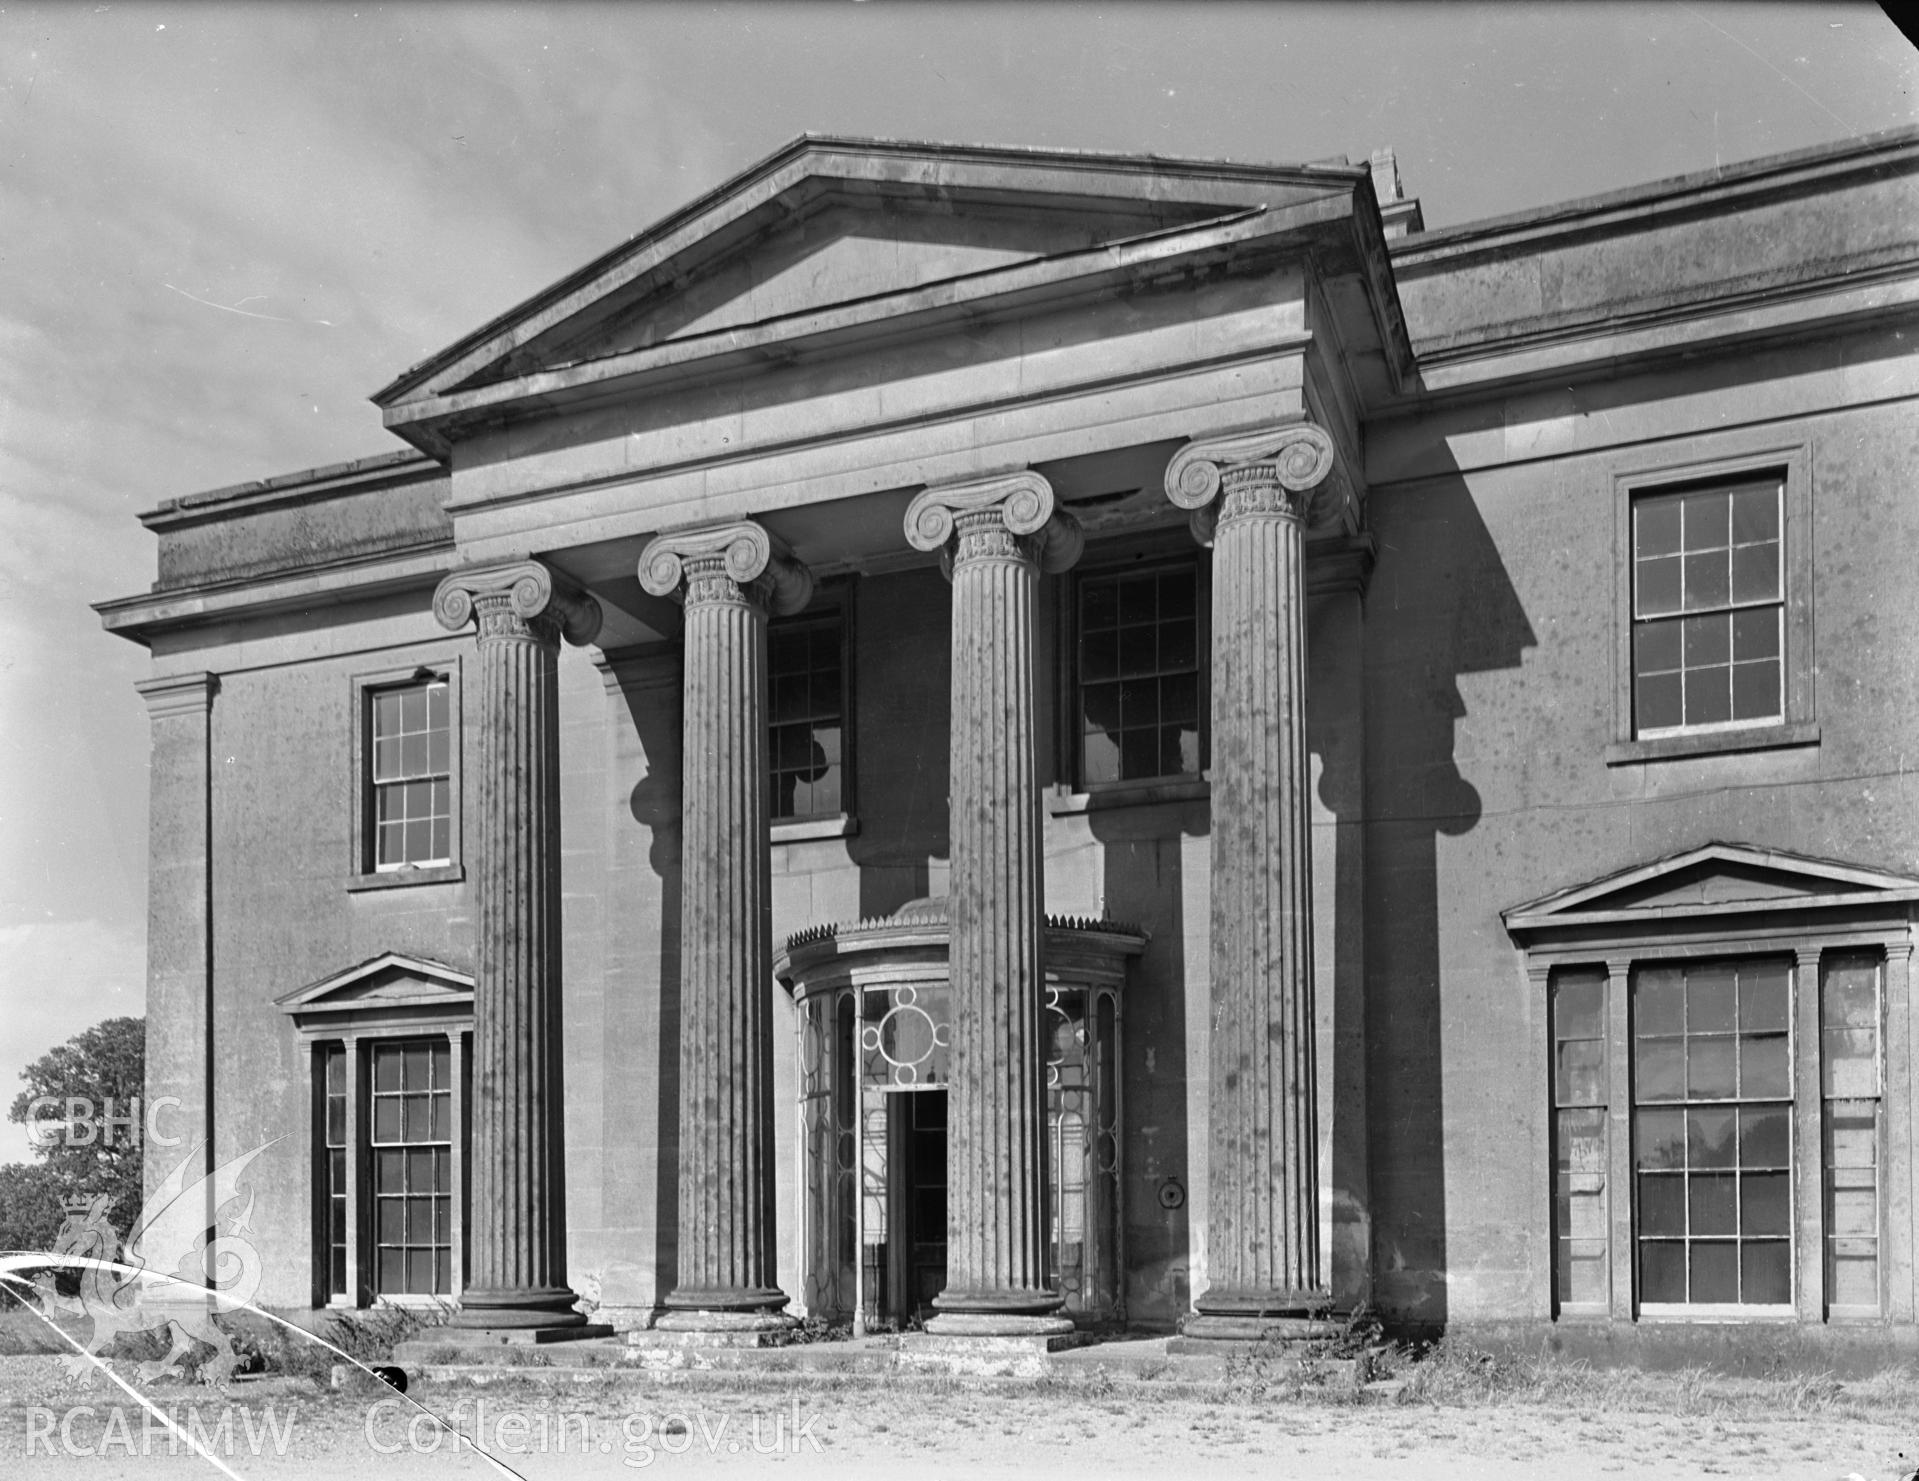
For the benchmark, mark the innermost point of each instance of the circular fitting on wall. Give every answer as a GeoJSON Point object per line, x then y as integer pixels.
{"type": "Point", "coordinates": [1172, 1194]}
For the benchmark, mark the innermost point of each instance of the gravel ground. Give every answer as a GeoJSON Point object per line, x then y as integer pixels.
{"type": "Point", "coordinates": [626, 1424]}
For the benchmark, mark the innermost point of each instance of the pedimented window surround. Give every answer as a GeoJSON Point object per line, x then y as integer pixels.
{"type": "Point", "coordinates": [1725, 903]}
{"type": "Point", "coordinates": [389, 1000]}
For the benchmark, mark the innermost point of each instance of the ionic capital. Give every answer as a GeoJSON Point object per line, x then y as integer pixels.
{"type": "Point", "coordinates": [517, 599]}
{"type": "Point", "coordinates": [1290, 469]}
{"type": "Point", "coordinates": [1014, 510]}
{"type": "Point", "coordinates": [729, 562]}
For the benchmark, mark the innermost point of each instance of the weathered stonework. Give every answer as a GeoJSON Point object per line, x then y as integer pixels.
{"type": "Point", "coordinates": [1000, 531]}
{"type": "Point", "coordinates": [517, 1239]}
{"type": "Point", "coordinates": [1257, 494]}
{"type": "Point", "coordinates": [728, 577]}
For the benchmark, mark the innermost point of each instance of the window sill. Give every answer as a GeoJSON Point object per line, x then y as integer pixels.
{"type": "Point", "coordinates": [1714, 742]}
{"type": "Point", "coordinates": [1062, 803]}
{"type": "Point", "coordinates": [395, 879]}
{"type": "Point", "coordinates": [805, 830]}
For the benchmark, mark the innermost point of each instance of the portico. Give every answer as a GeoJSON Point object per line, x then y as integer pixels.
{"type": "Point", "coordinates": [693, 476]}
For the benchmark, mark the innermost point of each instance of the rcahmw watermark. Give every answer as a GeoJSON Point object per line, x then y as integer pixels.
{"type": "Point", "coordinates": [393, 1425]}
{"type": "Point", "coordinates": [129, 1430]}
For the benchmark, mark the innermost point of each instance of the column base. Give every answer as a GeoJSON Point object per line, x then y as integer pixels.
{"type": "Point", "coordinates": [518, 1309]}
{"type": "Point", "coordinates": [997, 1324]}
{"type": "Point", "coordinates": [683, 1325]}
{"type": "Point", "coordinates": [1262, 1316]}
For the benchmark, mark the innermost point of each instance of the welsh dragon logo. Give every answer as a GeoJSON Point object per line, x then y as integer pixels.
{"type": "Point", "coordinates": [196, 1232]}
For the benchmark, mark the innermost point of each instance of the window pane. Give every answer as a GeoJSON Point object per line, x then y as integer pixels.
{"type": "Point", "coordinates": [1099, 655]}
{"type": "Point", "coordinates": [1138, 599]}
{"type": "Point", "coordinates": [1661, 1138]}
{"type": "Point", "coordinates": [1755, 514]}
{"type": "Point", "coordinates": [413, 709]}
{"type": "Point", "coordinates": [420, 1271]}
{"type": "Point", "coordinates": [389, 1172]}
{"type": "Point", "coordinates": [1715, 1271]}
{"type": "Point", "coordinates": [1712, 1203]}
{"type": "Point", "coordinates": [1763, 996]}
{"type": "Point", "coordinates": [1579, 1001]}
{"type": "Point", "coordinates": [1659, 1001]}
{"type": "Point", "coordinates": [1662, 1204]}
{"type": "Point", "coordinates": [1099, 758]}
{"type": "Point", "coordinates": [1708, 696]}
{"type": "Point", "coordinates": [1755, 573]}
{"type": "Point", "coordinates": [1581, 1072]}
{"type": "Point", "coordinates": [386, 714]}
{"type": "Point", "coordinates": [1708, 639]}
{"type": "Point", "coordinates": [1139, 753]}
{"type": "Point", "coordinates": [436, 707]}
{"type": "Point", "coordinates": [1755, 633]}
{"type": "Point", "coordinates": [1138, 650]}
{"type": "Point", "coordinates": [1656, 586]}
{"type": "Point", "coordinates": [1707, 516]}
{"type": "Point", "coordinates": [1099, 604]}
{"type": "Point", "coordinates": [390, 1226]}
{"type": "Point", "coordinates": [1662, 1271]}
{"type": "Point", "coordinates": [1710, 1069]}
{"type": "Point", "coordinates": [1850, 1062]}
{"type": "Point", "coordinates": [1765, 1273]}
{"type": "Point", "coordinates": [386, 1118]}
{"type": "Point", "coordinates": [1660, 1069]}
{"type": "Point", "coordinates": [1658, 702]}
{"type": "Point", "coordinates": [1710, 1136]}
{"type": "Point", "coordinates": [1765, 1203]}
{"type": "Point", "coordinates": [1711, 999]}
{"type": "Point", "coordinates": [1656, 646]}
{"type": "Point", "coordinates": [393, 1271]}
{"type": "Point", "coordinates": [386, 1067]}
{"type": "Point", "coordinates": [1707, 580]}
{"type": "Point", "coordinates": [1763, 1071]}
{"type": "Point", "coordinates": [1656, 525]}
{"type": "Point", "coordinates": [1755, 690]}
{"type": "Point", "coordinates": [1851, 996]}
{"type": "Point", "coordinates": [1765, 1135]}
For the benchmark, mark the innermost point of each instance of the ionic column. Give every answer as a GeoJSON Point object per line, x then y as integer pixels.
{"type": "Point", "coordinates": [998, 534]}
{"type": "Point", "coordinates": [1252, 495]}
{"type": "Point", "coordinates": [727, 577]}
{"type": "Point", "coordinates": [516, 1240]}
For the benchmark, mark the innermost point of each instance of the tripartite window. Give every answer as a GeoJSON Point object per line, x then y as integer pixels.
{"type": "Point", "coordinates": [1708, 608]}
{"type": "Point", "coordinates": [410, 776]}
{"type": "Point", "coordinates": [806, 737]}
{"type": "Point", "coordinates": [412, 1147]}
{"type": "Point", "coordinates": [1139, 662]}
{"type": "Point", "coordinates": [1712, 1134]}
{"type": "Point", "coordinates": [1715, 1077]}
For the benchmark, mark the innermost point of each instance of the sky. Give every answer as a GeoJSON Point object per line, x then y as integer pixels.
{"type": "Point", "coordinates": [223, 227]}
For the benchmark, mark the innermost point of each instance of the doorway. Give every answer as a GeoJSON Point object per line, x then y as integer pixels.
{"type": "Point", "coordinates": [909, 1262]}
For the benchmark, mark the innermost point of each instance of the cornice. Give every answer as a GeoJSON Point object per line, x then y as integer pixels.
{"type": "Point", "coordinates": [308, 485]}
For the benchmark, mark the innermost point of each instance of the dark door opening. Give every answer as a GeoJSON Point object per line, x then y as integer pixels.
{"type": "Point", "coordinates": [916, 1204]}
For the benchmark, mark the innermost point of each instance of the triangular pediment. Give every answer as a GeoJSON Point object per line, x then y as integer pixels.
{"type": "Point", "coordinates": [1714, 879]}
{"type": "Point", "coordinates": [832, 222]}
{"type": "Point", "coordinates": [391, 985]}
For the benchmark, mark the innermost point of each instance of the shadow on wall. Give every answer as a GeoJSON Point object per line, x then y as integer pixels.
{"type": "Point", "coordinates": [1144, 884]}
{"type": "Point", "coordinates": [903, 680]}
{"type": "Point", "coordinates": [1441, 604]}
{"type": "Point", "coordinates": [655, 806]}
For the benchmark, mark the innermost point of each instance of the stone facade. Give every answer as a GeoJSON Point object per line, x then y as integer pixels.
{"type": "Point", "coordinates": [982, 553]}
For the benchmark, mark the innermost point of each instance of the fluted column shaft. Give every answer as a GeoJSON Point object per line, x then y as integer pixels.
{"type": "Point", "coordinates": [1263, 1214]}
{"type": "Point", "coordinates": [1262, 1235]}
{"type": "Point", "coordinates": [997, 1186]}
{"type": "Point", "coordinates": [516, 1239]}
{"type": "Point", "coordinates": [728, 1260]}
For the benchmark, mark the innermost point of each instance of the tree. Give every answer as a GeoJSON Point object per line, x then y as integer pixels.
{"type": "Point", "coordinates": [104, 1070]}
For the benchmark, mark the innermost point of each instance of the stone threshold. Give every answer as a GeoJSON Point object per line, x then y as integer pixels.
{"type": "Point", "coordinates": [1165, 1364]}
